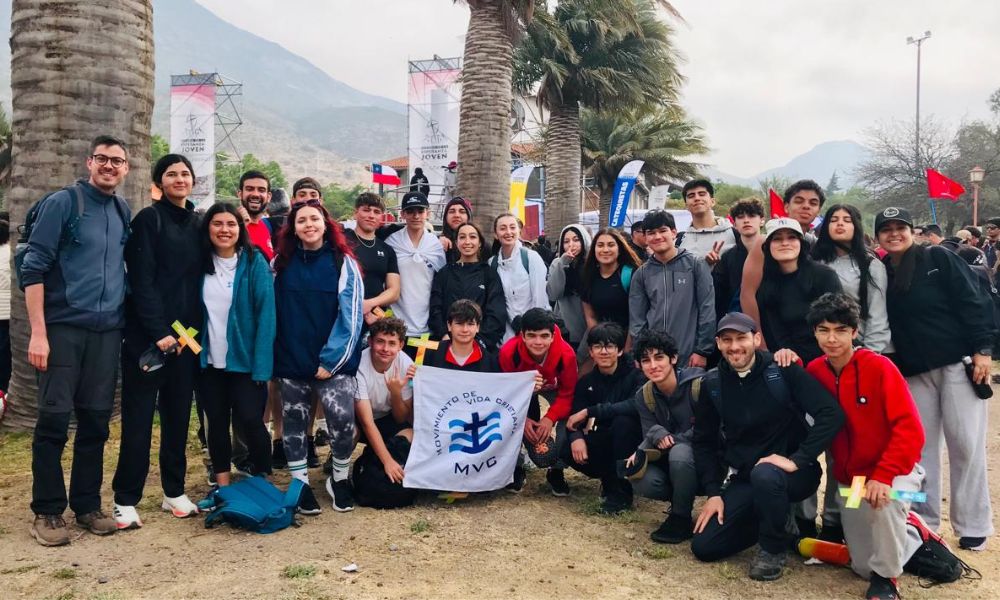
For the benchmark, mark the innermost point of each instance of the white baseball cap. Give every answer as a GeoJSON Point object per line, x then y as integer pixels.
{"type": "Point", "coordinates": [775, 225]}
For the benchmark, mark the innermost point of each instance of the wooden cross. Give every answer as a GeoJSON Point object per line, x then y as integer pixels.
{"type": "Point", "coordinates": [186, 337]}
{"type": "Point", "coordinates": [857, 490]}
{"type": "Point", "coordinates": [422, 343]}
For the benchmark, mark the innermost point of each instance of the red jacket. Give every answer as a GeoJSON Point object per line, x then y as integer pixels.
{"type": "Point", "coordinates": [558, 370]}
{"type": "Point", "coordinates": [882, 435]}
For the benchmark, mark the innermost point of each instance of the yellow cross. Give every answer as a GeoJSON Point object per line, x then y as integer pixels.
{"type": "Point", "coordinates": [422, 343]}
{"type": "Point", "coordinates": [855, 492]}
{"type": "Point", "coordinates": [185, 337]}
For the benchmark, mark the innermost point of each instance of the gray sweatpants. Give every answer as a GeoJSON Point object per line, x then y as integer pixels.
{"type": "Point", "coordinates": [673, 478]}
{"type": "Point", "coordinates": [879, 540]}
{"type": "Point", "coordinates": [950, 410]}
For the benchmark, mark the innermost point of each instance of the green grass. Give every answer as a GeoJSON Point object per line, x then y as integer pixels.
{"type": "Point", "coordinates": [15, 451]}
{"type": "Point", "coordinates": [591, 506]}
{"type": "Point", "coordinates": [67, 595]}
{"type": "Point", "coordinates": [420, 526]}
{"type": "Point", "coordinates": [19, 570]}
{"type": "Point", "coordinates": [298, 571]}
{"type": "Point", "coordinates": [107, 596]}
{"type": "Point", "coordinates": [64, 573]}
{"type": "Point", "coordinates": [730, 571]}
{"type": "Point", "coordinates": [658, 552]}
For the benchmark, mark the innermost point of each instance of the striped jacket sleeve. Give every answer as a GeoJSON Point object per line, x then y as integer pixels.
{"type": "Point", "coordinates": [346, 333]}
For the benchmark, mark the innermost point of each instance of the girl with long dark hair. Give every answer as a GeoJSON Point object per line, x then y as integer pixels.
{"type": "Point", "coordinates": [841, 246]}
{"type": "Point", "coordinates": [607, 275]}
{"type": "Point", "coordinates": [563, 286]}
{"type": "Point", "coordinates": [237, 337]}
{"type": "Point", "coordinates": [470, 277]}
{"type": "Point", "coordinates": [318, 296]}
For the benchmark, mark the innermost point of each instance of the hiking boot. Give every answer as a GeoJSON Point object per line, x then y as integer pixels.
{"type": "Point", "coordinates": [517, 485]}
{"type": "Point", "coordinates": [767, 566]}
{"type": "Point", "coordinates": [245, 469]}
{"type": "Point", "coordinates": [831, 533]}
{"type": "Point", "coordinates": [278, 460]}
{"type": "Point", "coordinates": [557, 482]}
{"type": "Point", "coordinates": [616, 496]}
{"type": "Point", "coordinates": [674, 530]}
{"type": "Point", "coordinates": [180, 506]}
{"type": "Point", "coordinates": [312, 459]}
{"type": "Point", "coordinates": [322, 438]}
{"type": "Point", "coordinates": [97, 522]}
{"type": "Point", "coordinates": [328, 465]}
{"type": "Point", "coordinates": [976, 544]}
{"type": "Point", "coordinates": [307, 502]}
{"type": "Point", "coordinates": [880, 588]}
{"type": "Point", "coordinates": [341, 493]}
{"type": "Point", "coordinates": [807, 528]}
{"type": "Point", "coordinates": [50, 530]}
{"type": "Point", "coordinates": [126, 517]}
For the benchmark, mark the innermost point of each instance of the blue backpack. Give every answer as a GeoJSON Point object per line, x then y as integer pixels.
{"type": "Point", "coordinates": [256, 505]}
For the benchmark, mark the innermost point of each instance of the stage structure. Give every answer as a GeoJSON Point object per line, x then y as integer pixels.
{"type": "Point", "coordinates": [200, 103]}
{"type": "Point", "coordinates": [432, 114]}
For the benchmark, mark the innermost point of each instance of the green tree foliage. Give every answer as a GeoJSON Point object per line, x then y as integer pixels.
{"type": "Point", "coordinates": [726, 195]}
{"type": "Point", "coordinates": [158, 148]}
{"type": "Point", "coordinates": [228, 172]}
{"type": "Point", "coordinates": [833, 186]}
{"type": "Point", "coordinates": [339, 201]}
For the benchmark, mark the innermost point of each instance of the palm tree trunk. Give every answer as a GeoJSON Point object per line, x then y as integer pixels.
{"type": "Point", "coordinates": [562, 162]}
{"type": "Point", "coordinates": [604, 207]}
{"type": "Point", "coordinates": [78, 70]}
{"type": "Point", "coordinates": [484, 129]}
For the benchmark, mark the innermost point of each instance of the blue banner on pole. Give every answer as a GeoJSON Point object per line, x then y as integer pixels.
{"type": "Point", "coordinates": [623, 192]}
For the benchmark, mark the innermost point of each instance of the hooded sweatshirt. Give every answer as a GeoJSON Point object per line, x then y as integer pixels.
{"type": "Point", "coordinates": [699, 241]}
{"type": "Point", "coordinates": [558, 369]}
{"type": "Point", "coordinates": [523, 290]}
{"type": "Point", "coordinates": [473, 281]}
{"type": "Point", "coordinates": [873, 332]}
{"type": "Point", "coordinates": [882, 437]}
{"type": "Point", "coordinates": [678, 297]}
{"type": "Point", "coordinates": [453, 254]}
{"type": "Point", "coordinates": [671, 415]}
{"type": "Point", "coordinates": [563, 287]}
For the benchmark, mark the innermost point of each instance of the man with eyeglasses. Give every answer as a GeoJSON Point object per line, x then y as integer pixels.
{"type": "Point", "coordinates": [992, 240]}
{"type": "Point", "coordinates": [74, 292]}
{"type": "Point", "coordinates": [604, 425]}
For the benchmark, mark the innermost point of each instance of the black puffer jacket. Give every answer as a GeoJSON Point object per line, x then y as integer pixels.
{"type": "Point", "coordinates": [477, 282]}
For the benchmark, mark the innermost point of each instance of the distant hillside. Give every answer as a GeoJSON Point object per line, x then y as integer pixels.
{"type": "Point", "coordinates": [819, 164]}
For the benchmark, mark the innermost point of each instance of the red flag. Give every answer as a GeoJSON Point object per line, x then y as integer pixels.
{"type": "Point", "coordinates": [777, 204]}
{"type": "Point", "coordinates": [939, 186]}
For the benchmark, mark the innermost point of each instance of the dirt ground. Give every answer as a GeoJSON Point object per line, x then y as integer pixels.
{"type": "Point", "coordinates": [491, 546]}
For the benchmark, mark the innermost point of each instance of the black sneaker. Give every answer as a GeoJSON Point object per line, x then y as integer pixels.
{"type": "Point", "coordinates": [557, 482]}
{"type": "Point", "coordinates": [312, 459]}
{"type": "Point", "coordinates": [328, 465]}
{"type": "Point", "coordinates": [322, 438]}
{"type": "Point", "coordinates": [976, 544]}
{"type": "Point", "coordinates": [880, 588]}
{"type": "Point", "coordinates": [807, 528]}
{"type": "Point", "coordinates": [767, 566]}
{"type": "Point", "coordinates": [831, 533]}
{"type": "Point", "coordinates": [245, 469]}
{"type": "Point", "coordinates": [341, 494]}
{"type": "Point", "coordinates": [278, 460]}
{"type": "Point", "coordinates": [307, 502]}
{"type": "Point", "coordinates": [517, 485]}
{"type": "Point", "coordinates": [674, 530]}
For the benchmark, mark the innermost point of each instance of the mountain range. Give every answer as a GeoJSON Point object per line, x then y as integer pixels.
{"type": "Point", "coordinates": [310, 123]}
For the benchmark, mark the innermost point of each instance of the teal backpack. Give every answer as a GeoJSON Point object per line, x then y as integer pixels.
{"type": "Point", "coordinates": [256, 505]}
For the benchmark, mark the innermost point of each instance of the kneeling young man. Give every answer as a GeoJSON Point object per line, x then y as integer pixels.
{"type": "Point", "coordinates": [384, 404]}
{"type": "Point", "coordinates": [462, 351]}
{"type": "Point", "coordinates": [605, 395]}
{"type": "Point", "coordinates": [768, 448]}
{"type": "Point", "coordinates": [881, 440]}
{"type": "Point", "coordinates": [539, 346]}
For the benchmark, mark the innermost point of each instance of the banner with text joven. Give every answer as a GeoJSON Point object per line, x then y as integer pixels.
{"type": "Point", "coordinates": [467, 429]}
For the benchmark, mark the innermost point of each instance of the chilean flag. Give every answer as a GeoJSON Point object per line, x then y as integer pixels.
{"type": "Point", "coordinates": [777, 204]}
{"type": "Point", "coordinates": [384, 174]}
{"type": "Point", "coordinates": [939, 186]}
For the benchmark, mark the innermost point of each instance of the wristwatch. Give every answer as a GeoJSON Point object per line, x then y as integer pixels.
{"type": "Point", "coordinates": [985, 352]}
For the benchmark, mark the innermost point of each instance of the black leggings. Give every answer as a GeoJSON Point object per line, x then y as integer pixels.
{"type": "Point", "coordinates": [224, 394]}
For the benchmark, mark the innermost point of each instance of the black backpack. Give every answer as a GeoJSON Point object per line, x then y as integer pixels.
{"type": "Point", "coordinates": [934, 562]}
{"type": "Point", "coordinates": [372, 487]}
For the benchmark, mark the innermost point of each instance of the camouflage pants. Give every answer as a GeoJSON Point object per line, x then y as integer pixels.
{"type": "Point", "coordinates": [337, 397]}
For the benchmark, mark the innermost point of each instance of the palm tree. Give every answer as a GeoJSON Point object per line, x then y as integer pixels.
{"type": "Point", "coordinates": [609, 55]}
{"type": "Point", "coordinates": [78, 69]}
{"type": "Point", "coordinates": [661, 137]}
{"type": "Point", "coordinates": [484, 121]}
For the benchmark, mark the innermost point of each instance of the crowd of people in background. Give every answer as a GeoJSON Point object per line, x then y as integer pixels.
{"type": "Point", "coordinates": [721, 361]}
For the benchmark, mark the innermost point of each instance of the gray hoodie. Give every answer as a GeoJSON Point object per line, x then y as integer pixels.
{"type": "Point", "coordinates": [874, 332]}
{"type": "Point", "coordinates": [677, 297]}
{"type": "Point", "coordinates": [568, 306]}
{"type": "Point", "coordinates": [671, 415]}
{"type": "Point", "coordinates": [700, 241]}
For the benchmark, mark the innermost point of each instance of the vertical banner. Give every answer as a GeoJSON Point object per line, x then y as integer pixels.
{"type": "Point", "coordinates": [623, 191]}
{"type": "Point", "coordinates": [467, 429]}
{"type": "Point", "coordinates": [192, 130]}
{"type": "Point", "coordinates": [432, 113]}
{"type": "Point", "coordinates": [519, 190]}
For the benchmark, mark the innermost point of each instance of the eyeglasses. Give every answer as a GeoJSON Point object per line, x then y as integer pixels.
{"type": "Point", "coordinates": [604, 347]}
{"type": "Point", "coordinates": [991, 227]}
{"type": "Point", "coordinates": [102, 160]}
{"type": "Point", "coordinates": [309, 202]}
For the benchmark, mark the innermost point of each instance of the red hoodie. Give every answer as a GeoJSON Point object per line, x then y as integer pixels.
{"type": "Point", "coordinates": [558, 370]}
{"type": "Point", "coordinates": [882, 435]}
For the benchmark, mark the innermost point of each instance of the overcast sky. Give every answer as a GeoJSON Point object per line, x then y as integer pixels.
{"type": "Point", "coordinates": [768, 80]}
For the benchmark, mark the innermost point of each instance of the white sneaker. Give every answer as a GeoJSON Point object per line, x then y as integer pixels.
{"type": "Point", "coordinates": [181, 506]}
{"type": "Point", "coordinates": [126, 517]}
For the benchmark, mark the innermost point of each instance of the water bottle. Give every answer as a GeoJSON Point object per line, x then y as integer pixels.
{"type": "Point", "coordinates": [983, 390]}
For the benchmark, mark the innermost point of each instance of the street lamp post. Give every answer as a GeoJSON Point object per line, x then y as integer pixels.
{"type": "Point", "coordinates": [976, 175]}
{"type": "Point", "coordinates": [919, 42]}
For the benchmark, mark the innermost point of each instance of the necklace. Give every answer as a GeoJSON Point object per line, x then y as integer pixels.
{"type": "Point", "coordinates": [362, 241]}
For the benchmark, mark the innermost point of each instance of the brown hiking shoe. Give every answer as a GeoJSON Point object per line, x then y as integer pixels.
{"type": "Point", "coordinates": [50, 530]}
{"type": "Point", "coordinates": [97, 522]}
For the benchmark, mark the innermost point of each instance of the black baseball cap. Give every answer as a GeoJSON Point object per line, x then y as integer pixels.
{"type": "Point", "coordinates": [736, 321]}
{"type": "Point", "coordinates": [892, 213]}
{"type": "Point", "coordinates": [414, 200]}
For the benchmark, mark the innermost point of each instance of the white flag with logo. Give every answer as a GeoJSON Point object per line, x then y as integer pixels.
{"type": "Point", "coordinates": [467, 429]}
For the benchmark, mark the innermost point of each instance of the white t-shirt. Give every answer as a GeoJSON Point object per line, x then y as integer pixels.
{"type": "Point", "coordinates": [417, 266]}
{"type": "Point", "coordinates": [371, 383]}
{"type": "Point", "coordinates": [217, 292]}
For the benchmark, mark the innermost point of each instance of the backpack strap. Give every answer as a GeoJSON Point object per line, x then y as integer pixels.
{"type": "Point", "coordinates": [267, 223]}
{"type": "Point", "coordinates": [524, 260]}
{"type": "Point", "coordinates": [778, 388]}
{"type": "Point", "coordinates": [712, 384]}
{"type": "Point", "coordinates": [626, 276]}
{"type": "Point", "coordinates": [647, 396]}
